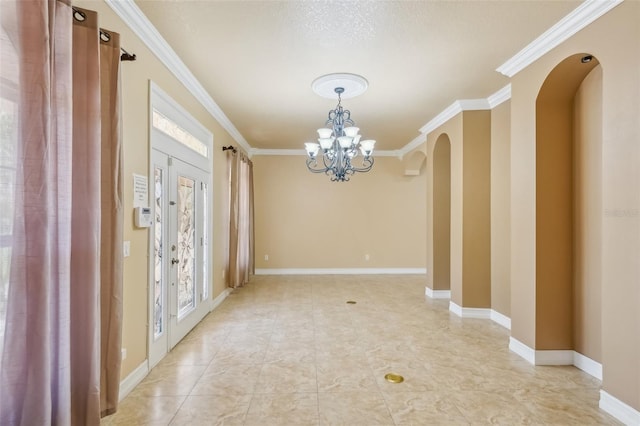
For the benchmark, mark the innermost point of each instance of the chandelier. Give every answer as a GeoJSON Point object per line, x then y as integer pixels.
{"type": "Point", "coordinates": [339, 142]}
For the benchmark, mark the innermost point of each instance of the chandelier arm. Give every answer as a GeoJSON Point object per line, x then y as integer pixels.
{"type": "Point", "coordinates": [365, 168]}
{"type": "Point", "coordinates": [310, 163]}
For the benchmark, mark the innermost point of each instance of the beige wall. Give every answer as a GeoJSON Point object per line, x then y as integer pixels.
{"type": "Point", "coordinates": [613, 40]}
{"type": "Point", "coordinates": [500, 208]}
{"type": "Point", "coordinates": [135, 101]}
{"type": "Point", "coordinates": [303, 220]}
{"type": "Point", "coordinates": [470, 249]}
{"type": "Point", "coordinates": [452, 129]}
{"type": "Point", "coordinates": [554, 225]}
{"type": "Point", "coordinates": [476, 209]}
{"type": "Point", "coordinates": [442, 214]}
{"type": "Point", "coordinates": [587, 267]}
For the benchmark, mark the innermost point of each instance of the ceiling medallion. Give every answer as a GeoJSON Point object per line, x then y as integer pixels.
{"type": "Point", "coordinates": [337, 144]}
{"type": "Point", "coordinates": [352, 84]}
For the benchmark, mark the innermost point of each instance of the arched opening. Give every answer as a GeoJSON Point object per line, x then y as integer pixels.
{"type": "Point", "coordinates": [569, 207]}
{"type": "Point", "coordinates": [442, 213]}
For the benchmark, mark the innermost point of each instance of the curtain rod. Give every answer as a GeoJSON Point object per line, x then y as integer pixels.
{"type": "Point", "coordinates": [80, 16]}
{"type": "Point", "coordinates": [231, 147]}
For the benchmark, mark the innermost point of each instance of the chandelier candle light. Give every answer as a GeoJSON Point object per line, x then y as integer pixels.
{"type": "Point", "coordinates": [338, 145]}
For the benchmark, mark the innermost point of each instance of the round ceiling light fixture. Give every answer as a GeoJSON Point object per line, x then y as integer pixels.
{"type": "Point", "coordinates": [353, 85]}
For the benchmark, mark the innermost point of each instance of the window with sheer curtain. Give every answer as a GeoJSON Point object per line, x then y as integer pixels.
{"type": "Point", "coordinates": [60, 215]}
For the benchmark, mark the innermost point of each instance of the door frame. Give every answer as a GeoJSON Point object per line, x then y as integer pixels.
{"type": "Point", "coordinates": [162, 103]}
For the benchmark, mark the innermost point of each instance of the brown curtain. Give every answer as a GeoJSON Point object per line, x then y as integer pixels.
{"type": "Point", "coordinates": [85, 220]}
{"type": "Point", "coordinates": [241, 234]}
{"type": "Point", "coordinates": [63, 308]}
{"type": "Point", "coordinates": [112, 223]}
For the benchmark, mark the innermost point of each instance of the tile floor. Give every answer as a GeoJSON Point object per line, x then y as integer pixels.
{"type": "Point", "coordinates": [289, 350]}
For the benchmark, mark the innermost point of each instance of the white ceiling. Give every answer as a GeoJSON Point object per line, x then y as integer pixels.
{"type": "Point", "coordinates": [257, 59]}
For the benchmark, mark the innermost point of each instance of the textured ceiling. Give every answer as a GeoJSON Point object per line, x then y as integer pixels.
{"type": "Point", "coordinates": [257, 59]}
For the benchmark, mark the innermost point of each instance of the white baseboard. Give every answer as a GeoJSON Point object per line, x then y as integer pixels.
{"type": "Point", "coordinates": [481, 313]}
{"type": "Point", "coordinates": [522, 350]}
{"type": "Point", "coordinates": [554, 357]}
{"type": "Point", "coordinates": [133, 379]}
{"type": "Point", "coordinates": [587, 365]}
{"type": "Point", "coordinates": [618, 409]}
{"type": "Point", "coordinates": [220, 298]}
{"type": "Point", "coordinates": [455, 308]}
{"type": "Point", "coordinates": [437, 294]}
{"type": "Point", "coordinates": [341, 271]}
{"type": "Point", "coordinates": [501, 319]}
{"type": "Point", "coordinates": [141, 371]}
{"type": "Point", "coordinates": [562, 357]}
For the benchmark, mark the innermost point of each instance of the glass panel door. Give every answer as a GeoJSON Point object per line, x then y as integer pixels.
{"type": "Point", "coordinates": [179, 281]}
{"type": "Point", "coordinates": [186, 256]}
{"type": "Point", "coordinates": [187, 248]}
{"type": "Point", "coordinates": [158, 270]}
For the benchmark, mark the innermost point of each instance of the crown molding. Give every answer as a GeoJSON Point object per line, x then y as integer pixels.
{"type": "Point", "coordinates": [579, 18]}
{"type": "Point", "coordinates": [280, 152]}
{"type": "Point", "coordinates": [474, 104]}
{"type": "Point", "coordinates": [447, 114]}
{"type": "Point", "coordinates": [454, 109]}
{"type": "Point", "coordinates": [303, 153]}
{"type": "Point", "coordinates": [500, 96]}
{"type": "Point", "coordinates": [341, 271]}
{"type": "Point", "coordinates": [416, 142]}
{"type": "Point", "coordinates": [131, 14]}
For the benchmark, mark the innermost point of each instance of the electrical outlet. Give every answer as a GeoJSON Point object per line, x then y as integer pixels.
{"type": "Point", "coordinates": [266, 257]}
{"type": "Point", "coordinates": [366, 257]}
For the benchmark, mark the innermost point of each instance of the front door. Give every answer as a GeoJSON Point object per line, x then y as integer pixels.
{"type": "Point", "coordinates": [179, 249]}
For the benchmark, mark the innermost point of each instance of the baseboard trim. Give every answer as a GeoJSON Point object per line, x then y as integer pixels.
{"type": "Point", "coordinates": [341, 271]}
{"type": "Point", "coordinates": [481, 313]}
{"type": "Point", "coordinates": [133, 379]}
{"type": "Point", "coordinates": [587, 365]}
{"type": "Point", "coordinates": [522, 350]}
{"type": "Point", "coordinates": [618, 409]}
{"type": "Point", "coordinates": [220, 298]}
{"type": "Point", "coordinates": [437, 294]}
{"type": "Point", "coordinates": [501, 319]}
{"type": "Point", "coordinates": [554, 357]}
{"type": "Point", "coordinates": [140, 372]}
{"type": "Point", "coordinates": [551, 357]}
{"type": "Point", "coordinates": [561, 357]}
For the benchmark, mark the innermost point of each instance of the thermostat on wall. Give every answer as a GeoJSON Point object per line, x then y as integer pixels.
{"type": "Point", "coordinates": [142, 217]}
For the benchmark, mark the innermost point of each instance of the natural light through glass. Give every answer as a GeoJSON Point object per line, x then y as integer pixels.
{"type": "Point", "coordinates": [168, 127]}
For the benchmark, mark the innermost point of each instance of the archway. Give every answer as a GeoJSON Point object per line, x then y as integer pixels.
{"type": "Point", "coordinates": [442, 213]}
{"type": "Point", "coordinates": [569, 207]}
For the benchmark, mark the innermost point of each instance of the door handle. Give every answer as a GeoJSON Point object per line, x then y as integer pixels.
{"type": "Point", "coordinates": [174, 261]}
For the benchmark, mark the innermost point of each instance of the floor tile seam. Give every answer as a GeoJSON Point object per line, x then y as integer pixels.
{"type": "Point", "coordinates": [474, 420]}
{"type": "Point", "coordinates": [373, 373]}
{"type": "Point", "coordinates": [177, 411]}
{"type": "Point", "coordinates": [315, 350]}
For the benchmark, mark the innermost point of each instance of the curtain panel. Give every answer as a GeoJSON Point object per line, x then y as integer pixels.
{"type": "Point", "coordinates": [61, 252]}
{"type": "Point", "coordinates": [241, 231]}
